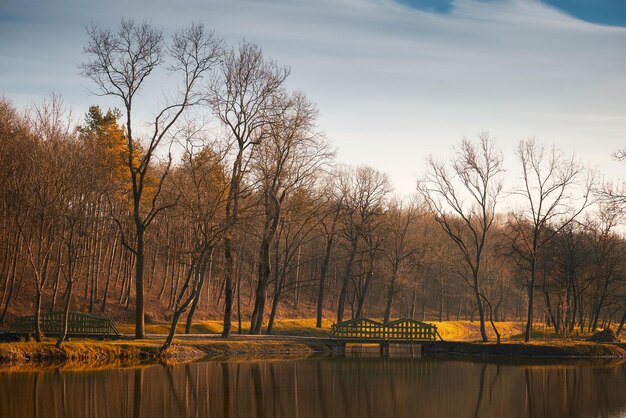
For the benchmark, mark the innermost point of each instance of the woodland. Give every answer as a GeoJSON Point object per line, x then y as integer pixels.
{"type": "Point", "coordinates": [229, 204]}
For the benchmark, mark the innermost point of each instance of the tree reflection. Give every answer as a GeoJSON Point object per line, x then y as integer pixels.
{"type": "Point", "coordinates": [226, 388]}
{"type": "Point", "coordinates": [137, 389]}
{"type": "Point", "coordinates": [329, 388]}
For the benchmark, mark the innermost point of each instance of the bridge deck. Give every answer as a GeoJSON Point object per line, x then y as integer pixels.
{"type": "Point", "coordinates": [401, 331]}
{"type": "Point", "coordinates": [79, 325]}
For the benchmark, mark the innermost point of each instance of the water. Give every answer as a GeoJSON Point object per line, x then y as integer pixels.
{"type": "Point", "coordinates": [326, 387]}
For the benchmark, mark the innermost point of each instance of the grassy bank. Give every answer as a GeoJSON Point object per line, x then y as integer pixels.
{"type": "Point", "coordinates": [185, 348]}
{"type": "Point", "coordinates": [449, 330]}
{"type": "Point", "coordinates": [88, 353]}
{"type": "Point", "coordinates": [84, 351]}
{"type": "Point", "coordinates": [300, 327]}
{"type": "Point", "coordinates": [460, 336]}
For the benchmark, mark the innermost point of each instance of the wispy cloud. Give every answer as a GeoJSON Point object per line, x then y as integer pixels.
{"type": "Point", "coordinates": [393, 82]}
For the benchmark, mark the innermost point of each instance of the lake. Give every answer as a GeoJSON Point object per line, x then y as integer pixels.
{"type": "Point", "coordinates": [322, 387]}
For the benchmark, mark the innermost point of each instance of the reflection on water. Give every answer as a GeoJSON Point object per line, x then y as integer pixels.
{"type": "Point", "coordinates": [328, 387]}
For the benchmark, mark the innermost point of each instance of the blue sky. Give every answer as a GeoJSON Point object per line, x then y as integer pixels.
{"type": "Point", "coordinates": [605, 12]}
{"type": "Point", "coordinates": [609, 12]}
{"type": "Point", "coordinates": [394, 82]}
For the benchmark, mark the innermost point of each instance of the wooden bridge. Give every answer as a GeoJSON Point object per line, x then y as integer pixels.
{"type": "Point", "coordinates": [368, 331]}
{"type": "Point", "coordinates": [79, 325]}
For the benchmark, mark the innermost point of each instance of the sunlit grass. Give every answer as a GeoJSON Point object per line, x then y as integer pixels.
{"type": "Point", "coordinates": [79, 350]}
{"type": "Point", "coordinates": [470, 331]}
{"type": "Point", "coordinates": [300, 326]}
{"type": "Point", "coordinates": [79, 353]}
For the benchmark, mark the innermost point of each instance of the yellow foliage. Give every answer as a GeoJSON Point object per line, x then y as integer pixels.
{"type": "Point", "coordinates": [111, 148]}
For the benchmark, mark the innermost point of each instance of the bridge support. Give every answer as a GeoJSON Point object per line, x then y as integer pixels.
{"type": "Point", "coordinates": [340, 349]}
{"type": "Point", "coordinates": [384, 349]}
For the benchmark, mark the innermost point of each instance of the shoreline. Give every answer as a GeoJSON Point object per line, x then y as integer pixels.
{"type": "Point", "coordinates": [537, 349]}
{"type": "Point", "coordinates": [90, 354]}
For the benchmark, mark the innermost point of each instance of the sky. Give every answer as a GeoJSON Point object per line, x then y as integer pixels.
{"type": "Point", "coordinates": [394, 80]}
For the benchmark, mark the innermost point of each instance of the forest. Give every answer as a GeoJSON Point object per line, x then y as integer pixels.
{"type": "Point", "coordinates": [229, 204]}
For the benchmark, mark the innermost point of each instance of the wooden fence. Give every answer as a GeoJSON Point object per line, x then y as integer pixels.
{"type": "Point", "coordinates": [79, 325]}
{"type": "Point", "coordinates": [365, 330]}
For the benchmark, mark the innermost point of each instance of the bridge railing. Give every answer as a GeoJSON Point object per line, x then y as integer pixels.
{"type": "Point", "coordinates": [79, 324]}
{"type": "Point", "coordinates": [401, 330]}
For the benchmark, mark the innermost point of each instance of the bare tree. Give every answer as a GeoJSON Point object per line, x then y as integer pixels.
{"type": "Point", "coordinates": [201, 185]}
{"type": "Point", "coordinates": [16, 142]}
{"type": "Point", "coordinates": [606, 257]}
{"type": "Point", "coordinates": [475, 177]}
{"type": "Point", "coordinates": [204, 195]}
{"type": "Point", "coordinates": [290, 157]}
{"type": "Point", "coordinates": [75, 198]}
{"type": "Point", "coordinates": [242, 97]}
{"type": "Point", "coordinates": [119, 64]}
{"type": "Point", "coordinates": [400, 247]}
{"type": "Point", "coordinates": [615, 196]}
{"type": "Point", "coordinates": [38, 193]}
{"type": "Point", "coordinates": [364, 194]}
{"type": "Point", "coordinates": [296, 231]}
{"type": "Point", "coordinates": [553, 191]}
{"type": "Point", "coordinates": [328, 222]}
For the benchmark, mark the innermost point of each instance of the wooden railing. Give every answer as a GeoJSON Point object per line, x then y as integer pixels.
{"type": "Point", "coordinates": [79, 325]}
{"type": "Point", "coordinates": [367, 330]}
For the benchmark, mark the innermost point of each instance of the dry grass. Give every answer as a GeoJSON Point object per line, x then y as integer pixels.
{"type": "Point", "coordinates": [72, 351]}
{"type": "Point", "coordinates": [88, 354]}
{"type": "Point", "coordinates": [449, 330]}
{"type": "Point", "coordinates": [215, 347]}
{"type": "Point", "coordinates": [79, 354]}
{"type": "Point", "coordinates": [301, 327]}
{"type": "Point", "coordinates": [470, 331]}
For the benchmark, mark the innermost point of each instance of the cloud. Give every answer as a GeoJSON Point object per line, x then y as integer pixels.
{"type": "Point", "coordinates": [393, 82]}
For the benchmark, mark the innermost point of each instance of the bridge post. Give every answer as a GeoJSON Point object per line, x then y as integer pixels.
{"type": "Point", "coordinates": [340, 348]}
{"type": "Point", "coordinates": [384, 349]}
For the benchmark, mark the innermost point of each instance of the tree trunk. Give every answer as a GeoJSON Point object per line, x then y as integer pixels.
{"type": "Point", "coordinates": [238, 285]}
{"type": "Point", "coordinates": [66, 313]}
{"type": "Point", "coordinates": [175, 318]}
{"type": "Point", "coordinates": [322, 284]}
{"type": "Point", "coordinates": [390, 292]}
{"type": "Point", "coordinates": [441, 299]}
{"type": "Point", "coordinates": [493, 325]}
{"type": "Point", "coordinates": [345, 282]}
{"type": "Point", "coordinates": [277, 292]}
{"type": "Point", "coordinates": [598, 309]}
{"type": "Point", "coordinates": [11, 279]}
{"type": "Point", "coordinates": [479, 306]}
{"type": "Point", "coordinates": [296, 290]}
{"type": "Point", "coordinates": [621, 325]}
{"type": "Point", "coordinates": [531, 295]}
{"type": "Point", "coordinates": [228, 287]}
{"type": "Point", "coordinates": [38, 333]}
{"type": "Point", "coordinates": [166, 266]}
{"type": "Point", "coordinates": [139, 300]}
{"type": "Point", "coordinates": [180, 306]}
{"type": "Point", "coordinates": [256, 323]}
{"type": "Point", "coordinates": [364, 292]}
{"type": "Point", "coordinates": [550, 313]}
{"type": "Point", "coordinates": [109, 274]}
{"type": "Point", "coordinates": [57, 278]}
{"type": "Point", "coordinates": [194, 304]}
